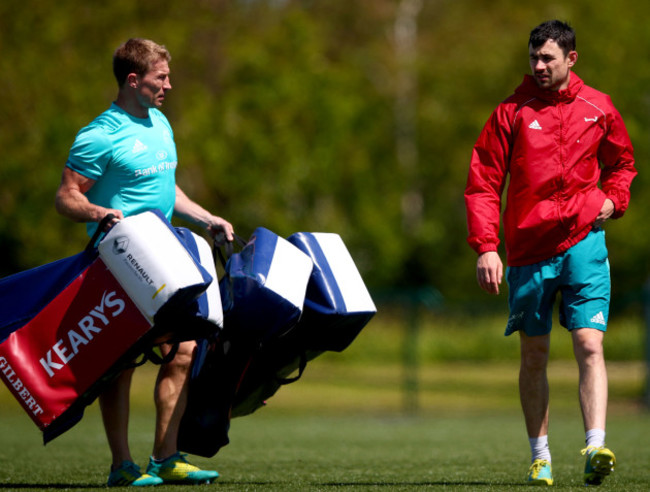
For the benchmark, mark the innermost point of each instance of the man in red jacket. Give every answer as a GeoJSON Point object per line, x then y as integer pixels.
{"type": "Point", "coordinates": [557, 139]}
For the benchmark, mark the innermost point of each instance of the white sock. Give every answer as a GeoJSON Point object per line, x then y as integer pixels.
{"type": "Point", "coordinates": [595, 437]}
{"type": "Point", "coordinates": [539, 448]}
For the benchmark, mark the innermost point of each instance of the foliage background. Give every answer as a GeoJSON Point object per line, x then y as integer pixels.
{"type": "Point", "coordinates": [288, 114]}
{"type": "Point", "coordinates": [303, 115]}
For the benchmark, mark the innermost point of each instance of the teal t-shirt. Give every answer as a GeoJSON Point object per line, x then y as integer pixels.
{"type": "Point", "coordinates": [132, 160]}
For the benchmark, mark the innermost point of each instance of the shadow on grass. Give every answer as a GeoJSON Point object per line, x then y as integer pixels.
{"type": "Point", "coordinates": [64, 486]}
{"type": "Point", "coordinates": [441, 483]}
{"type": "Point", "coordinates": [430, 483]}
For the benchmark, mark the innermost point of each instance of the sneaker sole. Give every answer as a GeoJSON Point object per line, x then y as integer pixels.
{"type": "Point", "coordinates": [602, 466]}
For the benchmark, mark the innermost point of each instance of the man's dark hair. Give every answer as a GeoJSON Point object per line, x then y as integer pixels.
{"type": "Point", "coordinates": [560, 32]}
{"type": "Point", "coordinates": [137, 55]}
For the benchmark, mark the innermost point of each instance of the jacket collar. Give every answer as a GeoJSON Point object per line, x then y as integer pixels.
{"type": "Point", "coordinates": [530, 88]}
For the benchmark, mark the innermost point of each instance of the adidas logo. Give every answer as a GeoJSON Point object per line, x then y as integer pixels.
{"type": "Point", "coordinates": [598, 319]}
{"type": "Point", "coordinates": [138, 147]}
{"type": "Point", "coordinates": [535, 125]}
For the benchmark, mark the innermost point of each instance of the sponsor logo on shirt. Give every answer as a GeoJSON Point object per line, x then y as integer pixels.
{"type": "Point", "coordinates": [138, 147]}
{"type": "Point", "coordinates": [156, 168]}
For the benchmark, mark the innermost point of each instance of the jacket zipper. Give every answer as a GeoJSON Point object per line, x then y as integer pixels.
{"type": "Point", "coordinates": [561, 185]}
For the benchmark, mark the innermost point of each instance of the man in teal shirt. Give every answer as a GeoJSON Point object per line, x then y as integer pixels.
{"type": "Point", "coordinates": [124, 163]}
{"type": "Point", "coordinates": [134, 157]}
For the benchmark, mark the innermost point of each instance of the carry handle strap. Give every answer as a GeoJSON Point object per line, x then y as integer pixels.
{"type": "Point", "coordinates": [228, 247]}
{"type": "Point", "coordinates": [301, 369]}
{"type": "Point", "coordinates": [100, 229]}
{"type": "Point", "coordinates": [149, 355]}
{"type": "Point", "coordinates": [157, 359]}
{"type": "Point", "coordinates": [138, 363]}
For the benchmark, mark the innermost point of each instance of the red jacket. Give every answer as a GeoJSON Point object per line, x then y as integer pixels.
{"type": "Point", "coordinates": [551, 144]}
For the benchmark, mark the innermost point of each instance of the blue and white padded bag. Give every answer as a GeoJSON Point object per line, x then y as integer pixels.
{"type": "Point", "coordinates": [264, 286]}
{"type": "Point", "coordinates": [337, 305]}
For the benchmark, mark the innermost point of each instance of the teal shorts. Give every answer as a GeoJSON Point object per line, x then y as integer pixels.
{"type": "Point", "coordinates": [580, 275]}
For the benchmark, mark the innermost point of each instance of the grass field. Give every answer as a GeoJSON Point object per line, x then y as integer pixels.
{"type": "Point", "coordinates": [346, 428]}
{"type": "Point", "coordinates": [349, 424]}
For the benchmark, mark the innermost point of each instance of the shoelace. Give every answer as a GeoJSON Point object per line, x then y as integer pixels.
{"type": "Point", "coordinates": [537, 467]}
{"type": "Point", "coordinates": [589, 449]}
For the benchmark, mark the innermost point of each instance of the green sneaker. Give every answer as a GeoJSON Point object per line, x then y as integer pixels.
{"type": "Point", "coordinates": [600, 463]}
{"type": "Point", "coordinates": [176, 469]}
{"type": "Point", "coordinates": [129, 473]}
{"type": "Point", "coordinates": [540, 473]}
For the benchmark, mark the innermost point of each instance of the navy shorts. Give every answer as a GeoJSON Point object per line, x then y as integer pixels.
{"type": "Point", "coordinates": [580, 275]}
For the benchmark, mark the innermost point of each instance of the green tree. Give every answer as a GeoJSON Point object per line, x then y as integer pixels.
{"type": "Point", "coordinates": [286, 116]}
